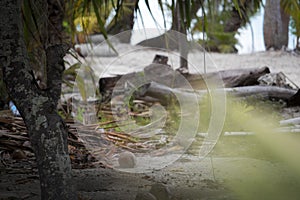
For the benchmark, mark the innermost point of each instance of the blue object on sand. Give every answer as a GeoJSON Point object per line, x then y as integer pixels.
{"type": "Point", "coordinates": [13, 109]}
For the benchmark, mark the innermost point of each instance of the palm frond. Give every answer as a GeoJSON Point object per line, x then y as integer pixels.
{"type": "Point", "coordinates": [292, 7]}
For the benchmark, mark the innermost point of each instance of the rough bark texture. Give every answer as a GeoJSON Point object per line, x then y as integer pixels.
{"type": "Point", "coordinates": [275, 25]}
{"type": "Point", "coordinates": [55, 50]}
{"type": "Point", "coordinates": [47, 131]}
{"type": "Point", "coordinates": [55, 68]}
{"type": "Point", "coordinates": [3, 93]}
{"type": "Point", "coordinates": [55, 17]}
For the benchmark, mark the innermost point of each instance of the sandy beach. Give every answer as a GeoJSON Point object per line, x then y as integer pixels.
{"type": "Point", "coordinates": [238, 168]}
{"type": "Point", "coordinates": [135, 58]}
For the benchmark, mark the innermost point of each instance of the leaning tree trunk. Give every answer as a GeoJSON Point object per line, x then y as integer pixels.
{"type": "Point", "coordinates": [123, 21]}
{"type": "Point", "coordinates": [169, 40]}
{"type": "Point", "coordinates": [238, 18]}
{"type": "Point", "coordinates": [47, 131]}
{"type": "Point", "coordinates": [276, 24]}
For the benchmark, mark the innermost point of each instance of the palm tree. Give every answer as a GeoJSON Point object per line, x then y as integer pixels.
{"type": "Point", "coordinates": [292, 8]}
{"type": "Point", "coordinates": [40, 23]}
{"type": "Point", "coordinates": [222, 21]}
{"type": "Point", "coordinates": [123, 20]}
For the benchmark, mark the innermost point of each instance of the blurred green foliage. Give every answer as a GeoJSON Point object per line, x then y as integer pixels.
{"type": "Point", "coordinates": [292, 7]}
{"type": "Point", "coordinates": [265, 165]}
{"type": "Point", "coordinates": [218, 16]}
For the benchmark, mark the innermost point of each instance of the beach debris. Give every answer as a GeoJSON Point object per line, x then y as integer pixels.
{"type": "Point", "coordinates": [13, 109]}
{"type": "Point", "coordinates": [127, 160]}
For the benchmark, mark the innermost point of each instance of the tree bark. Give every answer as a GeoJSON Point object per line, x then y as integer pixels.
{"type": "Point", "coordinates": [55, 49]}
{"type": "Point", "coordinates": [4, 96]}
{"type": "Point", "coordinates": [276, 24]}
{"type": "Point", "coordinates": [47, 131]}
{"type": "Point", "coordinates": [180, 20]}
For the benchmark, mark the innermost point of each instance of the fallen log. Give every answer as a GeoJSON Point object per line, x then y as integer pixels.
{"type": "Point", "coordinates": [262, 92]}
{"type": "Point", "coordinates": [230, 78]}
{"type": "Point", "coordinates": [294, 100]}
{"type": "Point", "coordinates": [158, 69]}
{"type": "Point", "coordinates": [165, 94]}
{"type": "Point", "coordinates": [238, 82]}
{"type": "Point", "coordinates": [164, 74]}
{"type": "Point", "coordinates": [292, 121]}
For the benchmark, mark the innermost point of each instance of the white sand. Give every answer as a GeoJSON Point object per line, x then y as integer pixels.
{"type": "Point", "coordinates": [135, 58]}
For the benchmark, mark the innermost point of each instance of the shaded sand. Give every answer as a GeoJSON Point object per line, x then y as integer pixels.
{"type": "Point", "coordinates": [222, 176]}
{"type": "Point", "coordinates": [188, 178]}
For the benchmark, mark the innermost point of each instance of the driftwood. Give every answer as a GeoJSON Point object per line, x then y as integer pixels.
{"type": "Point", "coordinates": [162, 73]}
{"type": "Point", "coordinates": [164, 94]}
{"type": "Point", "coordinates": [264, 92]}
{"type": "Point", "coordinates": [230, 78]}
{"type": "Point", "coordinates": [292, 121]}
{"type": "Point", "coordinates": [294, 100]}
{"type": "Point", "coordinates": [166, 82]}
{"type": "Point", "coordinates": [159, 69]}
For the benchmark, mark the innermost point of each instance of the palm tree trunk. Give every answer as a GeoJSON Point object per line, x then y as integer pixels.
{"type": "Point", "coordinates": [275, 25]}
{"type": "Point", "coordinates": [123, 21]}
{"type": "Point", "coordinates": [180, 25]}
